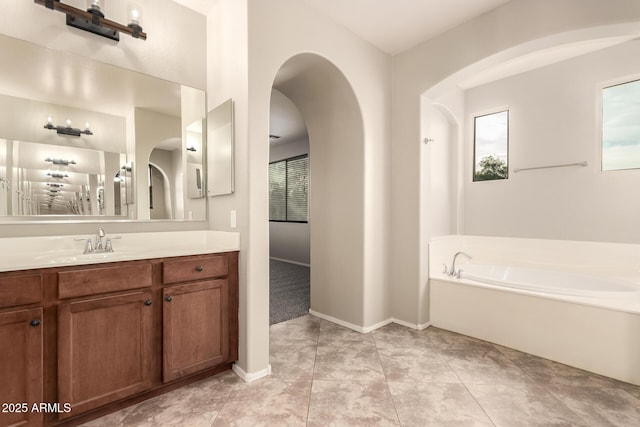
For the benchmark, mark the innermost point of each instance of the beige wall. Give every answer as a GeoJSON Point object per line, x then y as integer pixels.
{"type": "Point", "coordinates": [270, 43]}
{"type": "Point", "coordinates": [554, 115]}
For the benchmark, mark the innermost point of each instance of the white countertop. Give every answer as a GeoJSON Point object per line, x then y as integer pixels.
{"type": "Point", "coordinates": [26, 253]}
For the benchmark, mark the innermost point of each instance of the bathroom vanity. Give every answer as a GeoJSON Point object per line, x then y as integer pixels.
{"type": "Point", "coordinates": [94, 335]}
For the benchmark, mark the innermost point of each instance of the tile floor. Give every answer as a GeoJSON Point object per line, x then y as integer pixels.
{"type": "Point", "coordinates": [327, 375]}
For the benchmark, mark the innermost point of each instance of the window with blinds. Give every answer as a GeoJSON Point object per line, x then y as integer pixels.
{"type": "Point", "coordinates": [289, 189]}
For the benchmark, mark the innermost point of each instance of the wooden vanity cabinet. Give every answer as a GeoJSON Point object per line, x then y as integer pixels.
{"type": "Point", "coordinates": [21, 348]}
{"type": "Point", "coordinates": [21, 384]}
{"type": "Point", "coordinates": [104, 350]}
{"type": "Point", "coordinates": [196, 312]}
{"type": "Point", "coordinates": [97, 338]}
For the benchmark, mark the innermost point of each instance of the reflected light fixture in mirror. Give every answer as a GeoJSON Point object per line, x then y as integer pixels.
{"type": "Point", "coordinates": [93, 19]}
{"type": "Point", "coordinates": [67, 130]}
{"type": "Point", "coordinates": [60, 162]}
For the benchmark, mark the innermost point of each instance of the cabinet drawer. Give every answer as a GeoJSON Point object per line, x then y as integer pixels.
{"type": "Point", "coordinates": [95, 281]}
{"type": "Point", "coordinates": [194, 268]}
{"type": "Point", "coordinates": [18, 290]}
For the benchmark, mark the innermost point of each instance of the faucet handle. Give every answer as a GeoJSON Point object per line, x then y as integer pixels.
{"type": "Point", "coordinates": [88, 247]}
{"type": "Point", "coordinates": [107, 245]}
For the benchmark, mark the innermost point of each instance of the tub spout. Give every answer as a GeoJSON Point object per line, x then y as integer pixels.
{"type": "Point", "coordinates": [453, 271]}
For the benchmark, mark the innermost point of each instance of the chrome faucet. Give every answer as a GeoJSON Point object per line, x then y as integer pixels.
{"type": "Point", "coordinates": [98, 247]}
{"type": "Point", "coordinates": [453, 271]}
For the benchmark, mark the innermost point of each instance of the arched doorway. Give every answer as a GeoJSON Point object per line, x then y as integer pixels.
{"type": "Point", "coordinates": [333, 120]}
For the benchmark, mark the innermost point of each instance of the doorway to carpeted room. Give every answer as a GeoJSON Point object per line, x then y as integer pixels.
{"type": "Point", "coordinates": [289, 293]}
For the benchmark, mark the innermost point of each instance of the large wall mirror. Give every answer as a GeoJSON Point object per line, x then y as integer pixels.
{"type": "Point", "coordinates": [85, 140]}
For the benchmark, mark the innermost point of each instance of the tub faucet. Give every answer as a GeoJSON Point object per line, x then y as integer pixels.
{"type": "Point", "coordinates": [453, 271]}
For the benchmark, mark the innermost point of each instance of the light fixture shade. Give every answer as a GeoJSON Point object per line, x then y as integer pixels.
{"type": "Point", "coordinates": [134, 14]}
{"type": "Point", "coordinates": [95, 6]}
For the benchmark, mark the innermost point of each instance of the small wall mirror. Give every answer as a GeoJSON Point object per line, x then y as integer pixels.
{"type": "Point", "coordinates": [220, 150]}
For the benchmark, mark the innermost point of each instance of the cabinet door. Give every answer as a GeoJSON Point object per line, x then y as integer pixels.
{"type": "Point", "coordinates": [104, 350]}
{"type": "Point", "coordinates": [21, 368]}
{"type": "Point", "coordinates": [195, 327]}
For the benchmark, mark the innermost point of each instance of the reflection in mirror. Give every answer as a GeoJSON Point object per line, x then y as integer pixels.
{"type": "Point", "coordinates": [94, 121]}
{"type": "Point", "coordinates": [56, 180]}
{"type": "Point", "coordinates": [195, 144]}
{"type": "Point", "coordinates": [220, 149]}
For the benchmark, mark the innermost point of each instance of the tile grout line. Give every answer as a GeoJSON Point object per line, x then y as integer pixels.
{"type": "Point", "coordinates": [470, 393]}
{"type": "Point", "coordinates": [386, 380]}
{"type": "Point", "coordinates": [313, 373]}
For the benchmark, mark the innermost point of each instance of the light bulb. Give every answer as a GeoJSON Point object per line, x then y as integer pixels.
{"type": "Point", "coordinates": [68, 123]}
{"type": "Point", "coordinates": [86, 126]}
{"type": "Point", "coordinates": [135, 14]}
{"type": "Point", "coordinates": [50, 120]}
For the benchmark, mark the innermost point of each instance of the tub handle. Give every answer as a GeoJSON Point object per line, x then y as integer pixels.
{"type": "Point", "coordinates": [445, 270]}
{"type": "Point", "coordinates": [459, 273]}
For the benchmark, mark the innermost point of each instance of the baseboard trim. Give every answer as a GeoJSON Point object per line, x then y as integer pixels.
{"type": "Point", "coordinates": [416, 326]}
{"type": "Point", "coordinates": [379, 325]}
{"type": "Point", "coordinates": [361, 329]}
{"type": "Point", "coordinates": [338, 321]}
{"type": "Point", "coordinates": [290, 262]}
{"type": "Point", "coordinates": [250, 377]}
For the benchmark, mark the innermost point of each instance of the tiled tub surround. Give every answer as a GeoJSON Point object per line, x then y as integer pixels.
{"type": "Point", "coordinates": [598, 334]}
{"type": "Point", "coordinates": [24, 253]}
{"type": "Point", "coordinates": [325, 374]}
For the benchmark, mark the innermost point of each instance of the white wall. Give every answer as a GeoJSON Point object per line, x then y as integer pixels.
{"type": "Point", "coordinates": [287, 240]}
{"type": "Point", "coordinates": [554, 119]}
{"type": "Point", "coordinates": [515, 28]}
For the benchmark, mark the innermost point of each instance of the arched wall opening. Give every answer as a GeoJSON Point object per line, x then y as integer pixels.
{"type": "Point", "coordinates": [333, 119]}
{"type": "Point", "coordinates": [160, 193]}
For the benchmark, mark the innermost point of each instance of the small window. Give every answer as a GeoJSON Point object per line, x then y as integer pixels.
{"type": "Point", "coordinates": [621, 126]}
{"type": "Point", "coordinates": [288, 189]}
{"type": "Point", "coordinates": [491, 142]}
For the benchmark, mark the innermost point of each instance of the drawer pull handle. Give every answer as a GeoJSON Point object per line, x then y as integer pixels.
{"type": "Point", "coordinates": [148, 302]}
{"type": "Point", "coordinates": [168, 298]}
{"type": "Point", "coordinates": [35, 322]}
{"type": "Point", "coordinates": [199, 268]}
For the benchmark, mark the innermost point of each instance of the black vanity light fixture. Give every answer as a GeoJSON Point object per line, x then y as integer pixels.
{"type": "Point", "coordinates": [60, 162]}
{"type": "Point", "coordinates": [67, 130]}
{"type": "Point", "coordinates": [57, 175]}
{"type": "Point", "coordinates": [93, 19]}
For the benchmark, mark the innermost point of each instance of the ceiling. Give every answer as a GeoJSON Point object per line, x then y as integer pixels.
{"type": "Point", "coordinates": [392, 26]}
{"type": "Point", "coordinates": [398, 25]}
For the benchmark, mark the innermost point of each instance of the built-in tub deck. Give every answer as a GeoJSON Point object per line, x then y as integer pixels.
{"type": "Point", "coordinates": [592, 323]}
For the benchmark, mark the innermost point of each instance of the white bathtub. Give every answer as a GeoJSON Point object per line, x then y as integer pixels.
{"type": "Point", "coordinates": [550, 281]}
{"type": "Point", "coordinates": [590, 322]}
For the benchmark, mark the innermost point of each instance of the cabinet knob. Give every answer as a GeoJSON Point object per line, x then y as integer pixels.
{"type": "Point", "coordinates": [148, 302]}
{"type": "Point", "coordinates": [199, 268]}
{"type": "Point", "coordinates": [35, 322]}
{"type": "Point", "coordinates": [168, 298]}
